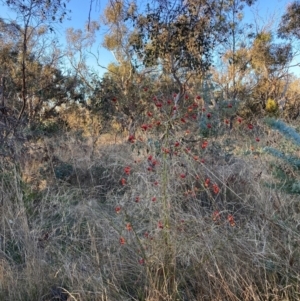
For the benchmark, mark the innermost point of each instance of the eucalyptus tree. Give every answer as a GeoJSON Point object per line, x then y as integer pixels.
{"type": "Point", "coordinates": [47, 83]}
{"type": "Point", "coordinates": [270, 62]}
{"type": "Point", "coordinates": [181, 36]}
{"type": "Point", "coordinates": [32, 17]}
{"type": "Point", "coordinates": [232, 50]}
{"type": "Point", "coordinates": [290, 21]}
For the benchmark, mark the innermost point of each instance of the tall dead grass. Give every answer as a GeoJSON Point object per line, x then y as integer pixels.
{"type": "Point", "coordinates": [63, 242]}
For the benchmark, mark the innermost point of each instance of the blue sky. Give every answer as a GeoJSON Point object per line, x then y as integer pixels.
{"type": "Point", "coordinates": [79, 17]}
{"type": "Point", "coordinates": [264, 9]}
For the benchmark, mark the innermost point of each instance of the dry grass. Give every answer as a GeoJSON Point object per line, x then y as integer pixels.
{"type": "Point", "coordinates": [62, 242]}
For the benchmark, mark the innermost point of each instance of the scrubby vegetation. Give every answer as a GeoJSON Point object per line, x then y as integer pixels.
{"type": "Point", "coordinates": [167, 178]}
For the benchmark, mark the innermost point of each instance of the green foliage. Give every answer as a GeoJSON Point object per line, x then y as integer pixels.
{"type": "Point", "coordinates": [102, 98]}
{"type": "Point", "coordinates": [14, 251]}
{"type": "Point", "coordinates": [47, 128]}
{"type": "Point", "coordinates": [293, 161]}
{"type": "Point", "coordinates": [269, 55]}
{"type": "Point", "coordinates": [207, 128]}
{"type": "Point", "coordinates": [288, 170]}
{"type": "Point", "coordinates": [285, 181]}
{"type": "Point", "coordinates": [262, 61]}
{"type": "Point", "coordinates": [63, 171]}
{"type": "Point", "coordinates": [177, 32]}
{"type": "Point", "coordinates": [289, 25]}
{"type": "Point", "coordinates": [181, 35]}
{"type": "Point", "coordinates": [284, 129]}
{"type": "Point", "coordinates": [42, 9]}
{"type": "Point", "coordinates": [296, 187]}
{"type": "Point", "coordinates": [47, 87]}
{"type": "Point", "coordinates": [31, 199]}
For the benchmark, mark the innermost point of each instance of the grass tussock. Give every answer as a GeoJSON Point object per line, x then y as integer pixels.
{"type": "Point", "coordinates": [129, 222]}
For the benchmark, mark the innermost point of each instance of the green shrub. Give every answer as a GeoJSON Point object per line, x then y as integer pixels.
{"type": "Point", "coordinates": [287, 170]}
{"type": "Point", "coordinates": [63, 171]}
